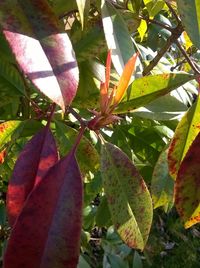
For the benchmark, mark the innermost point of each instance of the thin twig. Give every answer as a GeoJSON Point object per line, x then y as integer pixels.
{"type": "Point", "coordinates": [78, 117]}
{"type": "Point", "coordinates": [173, 11]}
{"type": "Point", "coordinates": [190, 62]}
{"type": "Point", "coordinates": [163, 25]}
{"type": "Point", "coordinates": [172, 39]}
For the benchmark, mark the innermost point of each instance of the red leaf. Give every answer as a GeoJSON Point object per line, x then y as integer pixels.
{"type": "Point", "coordinates": [43, 51]}
{"type": "Point", "coordinates": [39, 154]}
{"type": "Point", "coordinates": [47, 232]}
{"type": "Point", "coordinates": [187, 186]}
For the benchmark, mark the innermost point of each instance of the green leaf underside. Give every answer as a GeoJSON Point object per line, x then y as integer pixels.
{"type": "Point", "coordinates": [128, 197]}
{"type": "Point", "coordinates": [190, 16]}
{"type": "Point", "coordinates": [185, 133]}
{"type": "Point", "coordinates": [162, 184]}
{"type": "Point", "coordinates": [187, 186]}
{"type": "Point", "coordinates": [146, 89]}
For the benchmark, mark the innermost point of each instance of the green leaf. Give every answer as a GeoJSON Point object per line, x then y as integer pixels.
{"type": "Point", "coordinates": [83, 263]}
{"type": "Point", "coordinates": [83, 8]}
{"type": "Point", "coordinates": [146, 89]}
{"type": "Point", "coordinates": [137, 261]}
{"type": "Point", "coordinates": [87, 155]}
{"type": "Point", "coordinates": [163, 108]}
{"type": "Point", "coordinates": [88, 94]}
{"type": "Point", "coordinates": [154, 6]}
{"type": "Point", "coordinates": [136, 4]}
{"type": "Point", "coordinates": [128, 197]}
{"type": "Point", "coordinates": [185, 133]}
{"type": "Point", "coordinates": [103, 213]}
{"type": "Point", "coordinates": [91, 43]}
{"type": "Point", "coordinates": [190, 16]}
{"type": "Point", "coordinates": [187, 186]}
{"type": "Point", "coordinates": [10, 73]}
{"type": "Point", "coordinates": [162, 185]}
{"type": "Point", "coordinates": [117, 36]}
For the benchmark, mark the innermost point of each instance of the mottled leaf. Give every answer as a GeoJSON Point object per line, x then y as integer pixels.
{"type": "Point", "coordinates": [66, 137]}
{"type": "Point", "coordinates": [190, 17]}
{"type": "Point", "coordinates": [128, 197]}
{"type": "Point", "coordinates": [117, 36]}
{"type": "Point", "coordinates": [47, 231]}
{"type": "Point", "coordinates": [162, 185]}
{"type": "Point", "coordinates": [41, 48]}
{"type": "Point", "coordinates": [185, 133]}
{"type": "Point", "coordinates": [6, 131]}
{"type": "Point", "coordinates": [146, 89]}
{"type": "Point", "coordinates": [187, 186]}
{"type": "Point", "coordinates": [39, 154]}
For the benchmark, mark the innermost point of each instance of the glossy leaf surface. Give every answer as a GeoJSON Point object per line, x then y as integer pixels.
{"type": "Point", "coordinates": [146, 89]}
{"type": "Point", "coordinates": [162, 185]}
{"type": "Point", "coordinates": [185, 133]}
{"type": "Point", "coordinates": [190, 15]}
{"type": "Point", "coordinates": [44, 53]}
{"type": "Point", "coordinates": [38, 155]}
{"type": "Point", "coordinates": [55, 208]}
{"type": "Point", "coordinates": [117, 36]}
{"type": "Point", "coordinates": [128, 197]}
{"type": "Point", "coordinates": [187, 186]}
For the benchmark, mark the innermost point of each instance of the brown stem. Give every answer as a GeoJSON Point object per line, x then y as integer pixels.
{"type": "Point", "coordinates": [78, 139]}
{"type": "Point", "coordinates": [190, 62]}
{"type": "Point", "coordinates": [173, 11]}
{"type": "Point", "coordinates": [163, 25]}
{"type": "Point", "coordinates": [172, 39]}
{"type": "Point", "coordinates": [77, 116]}
{"type": "Point", "coordinates": [53, 107]}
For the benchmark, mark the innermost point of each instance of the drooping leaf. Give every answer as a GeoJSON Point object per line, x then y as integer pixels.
{"type": "Point", "coordinates": [146, 89]}
{"type": "Point", "coordinates": [187, 186]}
{"type": "Point", "coordinates": [162, 185]}
{"type": "Point", "coordinates": [83, 8]}
{"type": "Point", "coordinates": [185, 133]}
{"type": "Point", "coordinates": [49, 226]}
{"type": "Point", "coordinates": [128, 197]}
{"type": "Point", "coordinates": [39, 154]}
{"type": "Point", "coordinates": [6, 131]}
{"type": "Point", "coordinates": [41, 48]}
{"type": "Point", "coordinates": [66, 137]}
{"type": "Point", "coordinates": [190, 17]}
{"type": "Point", "coordinates": [117, 36]}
